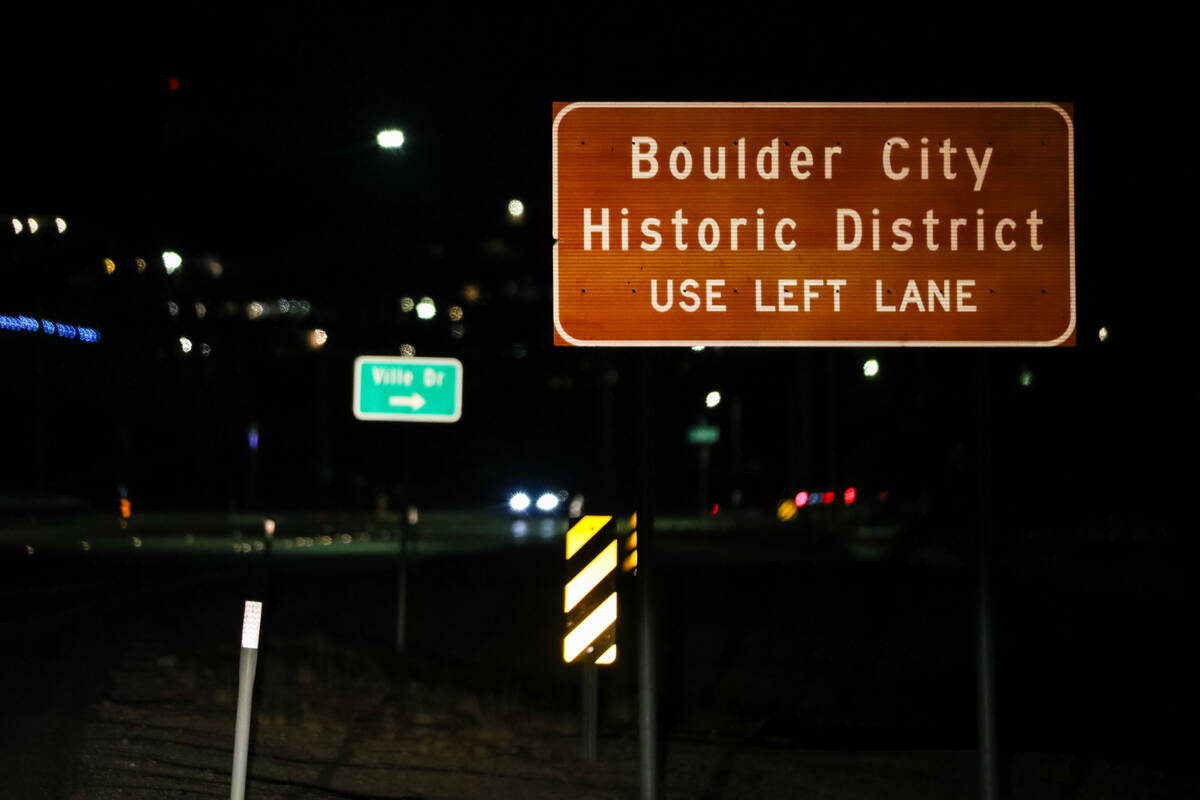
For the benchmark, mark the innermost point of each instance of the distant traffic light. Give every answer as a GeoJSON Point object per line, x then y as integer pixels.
{"type": "Point", "coordinates": [126, 508]}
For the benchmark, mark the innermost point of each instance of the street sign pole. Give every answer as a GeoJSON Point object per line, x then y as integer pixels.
{"type": "Point", "coordinates": [405, 389]}
{"type": "Point", "coordinates": [591, 710]}
{"type": "Point", "coordinates": [985, 645]}
{"type": "Point", "coordinates": [402, 585]}
{"type": "Point", "coordinates": [829, 211]}
{"type": "Point", "coordinates": [647, 676]}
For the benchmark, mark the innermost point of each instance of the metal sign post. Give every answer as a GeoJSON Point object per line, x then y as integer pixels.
{"type": "Point", "coordinates": [251, 623]}
{"type": "Point", "coordinates": [591, 711]}
{"type": "Point", "coordinates": [647, 669]}
{"type": "Point", "coordinates": [985, 644]}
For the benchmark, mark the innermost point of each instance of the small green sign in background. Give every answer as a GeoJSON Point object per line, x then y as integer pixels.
{"type": "Point", "coordinates": [399, 389]}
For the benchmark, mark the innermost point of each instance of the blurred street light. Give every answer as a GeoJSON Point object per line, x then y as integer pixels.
{"type": "Point", "coordinates": [516, 209]}
{"type": "Point", "coordinates": [871, 368]}
{"type": "Point", "coordinates": [1102, 334]}
{"type": "Point", "coordinates": [390, 139]}
{"type": "Point", "coordinates": [713, 399]}
{"type": "Point", "coordinates": [171, 261]}
{"type": "Point", "coordinates": [426, 309]}
{"type": "Point", "coordinates": [317, 338]}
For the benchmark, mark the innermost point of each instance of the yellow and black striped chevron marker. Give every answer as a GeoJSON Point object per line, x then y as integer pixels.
{"type": "Point", "coordinates": [590, 596]}
{"type": "Point", "coordinates": [629, 561]}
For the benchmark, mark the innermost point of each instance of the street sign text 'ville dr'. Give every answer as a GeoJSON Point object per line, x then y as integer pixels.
{"type": "Point", "coordinates": [398, 389]}
{"type": "Point", "coordinates": [820, 224]}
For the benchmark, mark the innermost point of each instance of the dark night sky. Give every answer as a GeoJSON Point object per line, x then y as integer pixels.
{"type": "Point", "coordinates": [264, 159]}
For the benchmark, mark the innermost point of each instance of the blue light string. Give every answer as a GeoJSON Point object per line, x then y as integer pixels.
{"type": "Point", "coordinates": [48, 327]}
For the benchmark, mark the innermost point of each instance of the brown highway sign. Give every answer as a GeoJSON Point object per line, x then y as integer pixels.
{"type": "Point", "coordinates": [814, 224]}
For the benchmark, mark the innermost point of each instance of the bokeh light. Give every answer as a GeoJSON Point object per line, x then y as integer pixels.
{"type": "Point", "coordinates": [390, 139]}
{"type": "Point", "coordinates": [171, 261]}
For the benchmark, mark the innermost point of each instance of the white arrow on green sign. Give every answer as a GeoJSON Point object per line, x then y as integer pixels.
{"type": "Point", "coordinates": [399, 389]}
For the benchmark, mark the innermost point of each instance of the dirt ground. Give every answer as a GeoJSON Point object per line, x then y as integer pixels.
{"type": "Point", "coordinates": [127, 688]}
{"type": "Point", "coordinates": [402, 729]}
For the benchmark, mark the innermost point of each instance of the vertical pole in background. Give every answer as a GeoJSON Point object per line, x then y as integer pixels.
{"type": "Point", "coordinates": [591, 710]}
{"type": "Point", "coordinates": [647, 677]}
{"type": "Point", "coordinates": [251, 622]}
{"type": "Point", "coordinates": [985, 650]}
{"type": "Point", "coordinates": [402, 584]}
{"type": "Point", "coordinates": [831, 475]}
{"type": "Point", "coordinates": [402, 558]}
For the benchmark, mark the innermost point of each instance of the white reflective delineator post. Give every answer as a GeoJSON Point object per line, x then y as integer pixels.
{"type": "Point", "coordinates": [251, 623]}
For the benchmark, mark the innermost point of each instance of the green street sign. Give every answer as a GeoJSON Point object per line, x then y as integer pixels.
{"type": "Point", "coordinates": [399, 389]}
{"type": "Point", "coordinates": [703, 434]}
